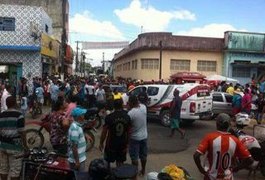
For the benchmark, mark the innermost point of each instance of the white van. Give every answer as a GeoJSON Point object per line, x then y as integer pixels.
{"type": "Point", "coordinates": [197, 100]}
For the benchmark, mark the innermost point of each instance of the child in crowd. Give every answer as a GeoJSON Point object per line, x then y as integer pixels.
{"type": "Point", "coordinates": [77, 142]}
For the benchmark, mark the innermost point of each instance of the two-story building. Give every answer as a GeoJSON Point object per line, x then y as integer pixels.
{"type": "Point", "coordinates": [21, 29]}
{"type": "Point", "coordinates": [154, 56]}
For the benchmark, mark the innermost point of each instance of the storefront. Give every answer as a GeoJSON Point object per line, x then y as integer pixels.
{"type": "Point", "coordinates": [49, 54]}
{"type": "Point", "coordinates": [244, 56]}
{"type": "Point", "coordinates": [69, 56]}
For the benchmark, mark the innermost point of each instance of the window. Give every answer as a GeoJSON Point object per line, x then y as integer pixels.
{"type": "Point", "coordinates": [241, 72]}
{"type": "Point", "coordinates": [46, 28]}
{"type": "Point", "coordinates": [126, 66]}
{"type": "Point", "coordinates": [7, 24]}
{"type": "Point", "coordinates": [149, 63]}
{"type": "Point", "coordinates": [134, 64]}
{"type": "Point", "coordinates": [206, 65]}
{"type": "Point", "coordinates": [152, 91]}
{"type": "Point", "coordinates": [180, 64]}
{"type": "Point", "coordinates": [228, 98]}
{"type": "Point", "coordinates": [119, 67]}
{"type": "Point", "coordinates": [218, 98]}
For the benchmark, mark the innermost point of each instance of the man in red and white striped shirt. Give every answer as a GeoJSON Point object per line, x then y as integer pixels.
{"type": "Point", "coordinates": [221, 148]}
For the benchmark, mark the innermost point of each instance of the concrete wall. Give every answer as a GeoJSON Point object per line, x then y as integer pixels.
{"type": "Point", "coordinates": [149, 74]}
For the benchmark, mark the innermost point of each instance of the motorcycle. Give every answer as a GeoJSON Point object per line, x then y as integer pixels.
{"type": "Point", "coordinates": [255, 147]}
{"type": "Point", "coordinates": [242, 120]}
{"type": "Point", "coordinates": [35, 136]}
{"type": "Point", "coordinates": [39, 164]}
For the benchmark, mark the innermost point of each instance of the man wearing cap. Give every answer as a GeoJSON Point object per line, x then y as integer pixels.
{"type": "Point", "coordinates": [221, 147]}
{"type": "Point", "coordinates": [77, 142]}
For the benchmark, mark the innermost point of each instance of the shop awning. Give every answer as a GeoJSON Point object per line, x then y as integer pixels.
{"type": "Point", "coordinates": [20, 48]}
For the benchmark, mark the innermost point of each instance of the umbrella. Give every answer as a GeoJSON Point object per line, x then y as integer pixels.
{"type": "Point", "coordinates": [217, 77]}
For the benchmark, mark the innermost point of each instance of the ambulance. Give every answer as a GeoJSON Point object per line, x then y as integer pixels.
{"type": "Point", "coordinates": [196, 100]}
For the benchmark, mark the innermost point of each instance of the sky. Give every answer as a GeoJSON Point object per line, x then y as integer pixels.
{"type": "Point", "coordinates": [124, 20]}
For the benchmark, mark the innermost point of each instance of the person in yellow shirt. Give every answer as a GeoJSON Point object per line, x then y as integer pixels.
{"type": "Point", "coordinates": [230, 89]}
{"type": "Point", "coordinates": [116, 94]}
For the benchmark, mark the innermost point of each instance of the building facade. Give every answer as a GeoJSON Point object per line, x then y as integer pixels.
{"type": "Point", "coordinates": [244, 56]}
{"type": "Point", "coordinates": [58, 11]}
{"type": "Point", "coordinates": [21, 31]}
{"type": "Point", "coordinates": [155, 56]}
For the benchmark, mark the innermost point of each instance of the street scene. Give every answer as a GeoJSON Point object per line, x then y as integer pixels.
{"type": "Point", "coordinates": [133, 89]}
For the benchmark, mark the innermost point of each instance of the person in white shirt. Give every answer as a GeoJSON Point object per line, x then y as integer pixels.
{"type": "Point", "coordinates": [100, 95]}
{"type": "Point", "coordinates": [7, 92]}
{"type": "Point", "coordinates": [138, 137]}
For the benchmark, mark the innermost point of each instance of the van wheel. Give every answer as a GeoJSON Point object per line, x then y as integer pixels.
{"type": "Point", "coordinates": [165, 118]}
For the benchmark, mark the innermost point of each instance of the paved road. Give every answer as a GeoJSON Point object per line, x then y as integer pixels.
{"type": "Point", "coordinates": [158, 159]}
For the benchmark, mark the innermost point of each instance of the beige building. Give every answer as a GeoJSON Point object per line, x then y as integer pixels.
{"type": "Point", "coordinates": [141, 60]}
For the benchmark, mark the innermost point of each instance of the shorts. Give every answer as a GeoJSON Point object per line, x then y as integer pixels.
{"type": "Point", "coordinates": [174, 123]}
{"type": "Point", "coordinates": [138, 149]}
{"type": "Point", "coordinates": [112, 156]}
{"type": "Point", "coordinates": [9, 164]}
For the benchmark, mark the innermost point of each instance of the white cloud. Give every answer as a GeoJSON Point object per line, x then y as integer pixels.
{"type": "Point", "coordinates": [150, 18]}
{"type": "Point", "coordinates": [85, 24]}
{"type": "Point", "coordinates": [210, 30]}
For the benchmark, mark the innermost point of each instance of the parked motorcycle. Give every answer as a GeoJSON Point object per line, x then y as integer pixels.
{"type": "Point", "coordinates": [255, 147]}
{"type": "Point", "coordinates": [40, 164]}
{"type": "Point", "coordinates": [35, 137]}
{"type": "Point", "coordinates": [242, 120]}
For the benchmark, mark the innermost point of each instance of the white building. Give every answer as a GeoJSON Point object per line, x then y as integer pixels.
{"type": "Point", "coordinates": [21, 29]}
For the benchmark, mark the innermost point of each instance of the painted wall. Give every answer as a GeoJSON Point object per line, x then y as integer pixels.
{"type": "Point", "coordinates": [149, 74]}
{"type": "Point", "coordinates": [31, 62]}
{"type": "Point", "coordinates": [24, 16]}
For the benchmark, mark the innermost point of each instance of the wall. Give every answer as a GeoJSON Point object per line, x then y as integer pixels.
{"type": "Point", "coordinates": [149, 74]}
{"type": "Point", "coordinates": [31, 62]}
{"type": "Point", "coordinates": [52, 7]}
{"type": "Point", "coordinates": [24, 17]}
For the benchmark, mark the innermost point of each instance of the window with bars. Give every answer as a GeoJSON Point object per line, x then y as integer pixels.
{"type": "Point", "coordinates": [149, 63]}
{"type": "Point", "coordinates": [7, 24]}
{"type": "Point", "coordinates": [241, 71]}
{"type": "Point", "coordinates": [134, 64]}
{"type": "Point", "coordinates": [126, 66]}
{"type": "Point", "coordinates": [180, 64]}
{"type": "Point", "coordinates": [119, 67]}
{"type": "Point", "coordinates": [206, 65]}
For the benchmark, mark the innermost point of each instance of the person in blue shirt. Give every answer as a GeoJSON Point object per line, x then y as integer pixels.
{"type": "Point", "coordinates": [54, 91]}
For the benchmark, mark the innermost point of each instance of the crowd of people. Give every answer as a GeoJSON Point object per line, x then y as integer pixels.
{"type": "Point", "coordinates": [245, 97]}
{"type": "Point", "coordinates": [124, 131]}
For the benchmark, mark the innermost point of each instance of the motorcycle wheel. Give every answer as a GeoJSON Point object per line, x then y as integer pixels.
{"type": "Point", "coordinates": [34, 138]}
{"type": "Point", "coordinates": [90, 140]}
{"type": "Point", "coordinates": [34, 113]}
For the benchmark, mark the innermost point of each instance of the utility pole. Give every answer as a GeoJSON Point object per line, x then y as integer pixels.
{"type": "Point", "coordinates": [103, 62]}
{"type": "Point", "coordinates": [160, 60]}
{"type": "Point", "coordinates": [63, 38]}
{"type": "Point", "coordinates": [76, 58]}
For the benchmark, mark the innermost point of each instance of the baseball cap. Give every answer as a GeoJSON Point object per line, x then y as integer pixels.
{"type": "Point", "coordinates": [76, 112]}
